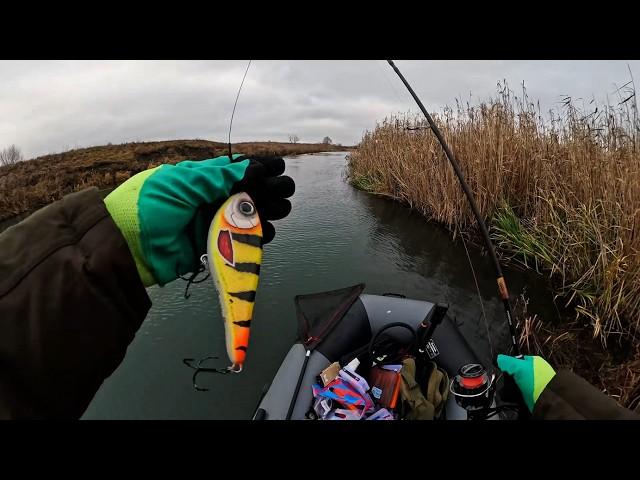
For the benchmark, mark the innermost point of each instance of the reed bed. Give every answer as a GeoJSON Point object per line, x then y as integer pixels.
{"type": "Point", "coordinates": [560, 192]}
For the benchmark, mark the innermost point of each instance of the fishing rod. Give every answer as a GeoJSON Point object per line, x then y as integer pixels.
{"type": "Point", "coordinates": [502, 285]}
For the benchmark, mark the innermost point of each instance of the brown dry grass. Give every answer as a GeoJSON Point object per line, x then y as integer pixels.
{"type": "Point", "coordinates": [32, 184]}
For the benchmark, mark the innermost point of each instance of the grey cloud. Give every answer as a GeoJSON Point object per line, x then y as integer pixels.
{"type": "Point", "coordinates": [48, 106]}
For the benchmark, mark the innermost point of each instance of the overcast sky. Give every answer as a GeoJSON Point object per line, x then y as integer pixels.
{"type": "Point", "coordinates": [52, 106]}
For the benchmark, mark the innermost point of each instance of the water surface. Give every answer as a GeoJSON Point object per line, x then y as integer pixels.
{"type": "Point", "coordinates": [335, 236]}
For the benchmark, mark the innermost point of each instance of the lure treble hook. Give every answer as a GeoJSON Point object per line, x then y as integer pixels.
{"type": "Point", "coordinates": [189, 362]}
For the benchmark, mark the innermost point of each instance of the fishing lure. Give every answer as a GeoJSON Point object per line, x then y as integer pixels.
{"type": "Point", "coordinates": [234, 252]}
{"type": "Point", "coordinates": [234, 256]}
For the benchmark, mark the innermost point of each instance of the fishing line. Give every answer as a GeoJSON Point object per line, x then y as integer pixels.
{"type": "Point", "coordinates": [386, 77]}
{"type": "Point", "coordinates": [234, 106]}
{"type": "Point", "coordinates": [484, 315]}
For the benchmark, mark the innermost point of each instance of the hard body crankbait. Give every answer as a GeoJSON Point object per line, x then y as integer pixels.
{"type": "Point", "coordinates": [234, 250]}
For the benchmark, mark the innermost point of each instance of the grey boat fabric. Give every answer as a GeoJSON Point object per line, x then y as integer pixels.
{"type": "Point", "coordinates": [373, 311]}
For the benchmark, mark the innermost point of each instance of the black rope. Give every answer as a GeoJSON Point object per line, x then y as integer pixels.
{"type": "Point", "coordinates": [387, 349]}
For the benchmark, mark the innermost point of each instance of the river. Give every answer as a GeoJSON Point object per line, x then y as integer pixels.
{"type": "Point", "coordinates": [335, 236]}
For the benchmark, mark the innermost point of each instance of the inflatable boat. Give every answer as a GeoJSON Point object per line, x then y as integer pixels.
{"type": "Point", "coordinates": [332, 324]}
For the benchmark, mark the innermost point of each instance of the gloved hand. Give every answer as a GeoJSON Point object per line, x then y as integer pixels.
{"type": "Point", "coordinates": [164, 212]}
{"type": "Point", "coordinates": [531, 374]}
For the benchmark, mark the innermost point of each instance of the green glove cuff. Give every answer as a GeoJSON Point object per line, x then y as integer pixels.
{"type": "Point", "coordinates": [531, 374]}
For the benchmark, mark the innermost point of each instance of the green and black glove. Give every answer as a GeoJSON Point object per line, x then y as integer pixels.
{"type": "Point", "coordinates": [531, 374]}
{"type": "Point", "coordinates": [164, 212]}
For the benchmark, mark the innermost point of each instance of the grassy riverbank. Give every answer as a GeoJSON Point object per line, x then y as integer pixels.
{"type": "Point", "coordinates": [561, 195]}
{"type": "Point", "coordinates": [29, 185]}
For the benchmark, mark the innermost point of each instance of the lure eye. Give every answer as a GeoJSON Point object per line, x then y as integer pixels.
{"type": "Point", "coordinates": [241, 212]}
{"type": "Point", "coordinates": [247, 208]}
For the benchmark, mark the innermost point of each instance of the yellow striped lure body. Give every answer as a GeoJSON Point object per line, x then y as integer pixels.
{"type": "Point", "coordinates": [234, 251]}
